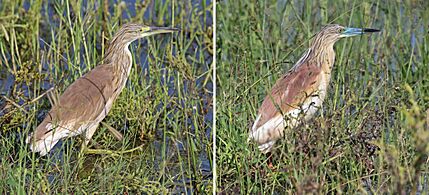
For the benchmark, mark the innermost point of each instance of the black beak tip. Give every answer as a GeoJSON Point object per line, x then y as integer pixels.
{"type": "Point", "coordinates": [370, 30]}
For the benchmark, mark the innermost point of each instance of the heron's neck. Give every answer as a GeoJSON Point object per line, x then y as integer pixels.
{"type": "Point", "coordinates": [323, 56]}
{"type": "Point", "coordinates": [119, 56]}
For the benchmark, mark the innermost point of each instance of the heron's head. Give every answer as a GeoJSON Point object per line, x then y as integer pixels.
{"type": "Point", "coordinates": [130, 32]}
{"type": "Point", "coordinates": [333, 32]}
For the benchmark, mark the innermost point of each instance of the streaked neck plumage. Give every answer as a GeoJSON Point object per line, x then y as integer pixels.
{"type": "Point", "coordinates": [119, 55]}
{"type": "Point", "coordinates": [322, 52]}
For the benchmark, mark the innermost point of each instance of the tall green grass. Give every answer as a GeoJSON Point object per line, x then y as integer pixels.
{"type": "Point", "coordinates": [163, 107]}
{"type": "Point", "coordinates": [370, 135]}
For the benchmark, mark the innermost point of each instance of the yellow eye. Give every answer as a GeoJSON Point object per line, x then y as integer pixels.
{"type": "Point", "coordinates": [146, 28]}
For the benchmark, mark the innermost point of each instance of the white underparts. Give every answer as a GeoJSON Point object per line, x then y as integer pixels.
{"type": "Point", "coordinates": [50, 139]}
{"type": "Point", "coordinates": [267, 134]}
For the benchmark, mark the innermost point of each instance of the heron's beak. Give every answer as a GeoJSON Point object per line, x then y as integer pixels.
{"type": "Point", "coordinates": [158, 30]}
{"type": "Point", "coordinates": [349, 32]}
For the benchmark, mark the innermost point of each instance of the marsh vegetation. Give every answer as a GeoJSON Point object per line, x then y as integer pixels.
{"type": "Point", "coordinates": [371, 134]}
{"type": "Point", "coordinates": [165, 108]}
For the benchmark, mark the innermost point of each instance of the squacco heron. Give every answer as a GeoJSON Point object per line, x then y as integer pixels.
{"type": "Point", "coordinates": [86, 102]}
{"type": "Point", "coordinates": [299, 93]}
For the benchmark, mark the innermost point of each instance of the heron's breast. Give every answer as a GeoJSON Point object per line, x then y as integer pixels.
{"type": "Point", "coordinates": [324, 84]}
{"type": "Point", "coordinates": [119, 82]}
{"type": "Point", "coordinates": [310, 107]}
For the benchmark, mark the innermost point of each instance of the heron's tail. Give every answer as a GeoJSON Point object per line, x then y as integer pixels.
{"type": "Point", "coordinates": [45, 138]}
{"type": "Point", "coordinates": [254, 128]}
{"type": "Point", "coordinates": [268, 133]}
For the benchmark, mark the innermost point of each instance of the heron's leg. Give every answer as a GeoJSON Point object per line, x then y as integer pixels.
{"type": "Point", "coordinates": [89, 133]}
{"type": "Point", "coordinates": [269, 160]}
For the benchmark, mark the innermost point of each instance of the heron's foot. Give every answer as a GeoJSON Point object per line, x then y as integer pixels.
{"type": "Point", "coordinates": [270, 165]}
{"type": "Point", "coordinates": [270, 161]}
{"type": "Point", "coordinates": [112, 152]}
{"type": "Point", "coordinates": [101, 151]}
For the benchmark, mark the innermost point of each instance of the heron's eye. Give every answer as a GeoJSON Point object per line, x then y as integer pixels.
{"type": "Point", "coordinates": [145, 29]}
{"type": "Point", "coordinates": [341, 30]}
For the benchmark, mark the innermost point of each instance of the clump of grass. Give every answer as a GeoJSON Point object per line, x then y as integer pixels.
{"type": "Point", "coordinates": [161, 112]}
{"type": "Point", "coordinates": [361, 141]}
